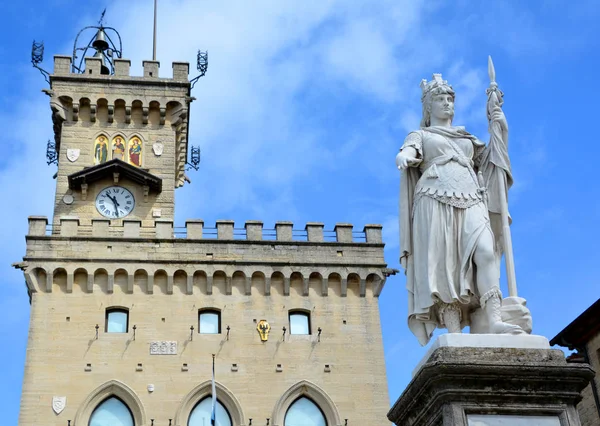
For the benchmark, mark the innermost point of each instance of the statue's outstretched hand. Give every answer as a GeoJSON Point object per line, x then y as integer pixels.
{"type": "Point", "coordinates": [405, 160]}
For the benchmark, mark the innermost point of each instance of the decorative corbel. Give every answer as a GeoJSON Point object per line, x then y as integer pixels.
{"type": "Point", "coordinates": [145, 113]}
{"type": "Point", "coordinates": [84, 188]}
{"type": "Point", "coordinates": [116, 177]}
{"type": "Point", "coordinates": [75, 111]}
{"type": "Point", "coordinates": [163, 115]}
{"type": "Point", "coordinates": [127, 114]}
{"type": "Point", "coordinates": [93, 109]}
{"type": "Point", "coordinates": [111, 113]}
{"type": "Point", "coordinates": [146, 189]}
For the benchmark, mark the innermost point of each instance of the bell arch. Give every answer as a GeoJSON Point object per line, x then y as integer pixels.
{"type": "Point", "coordinates": [203, 390]}
{"type": "Point", "coordinates": [105, 391]}
{"type": "Point", "coordinates": [307, 389]}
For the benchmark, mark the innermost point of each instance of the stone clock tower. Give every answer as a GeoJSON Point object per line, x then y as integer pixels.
{"type": "Point", "coordinates": [128, 312]}
{"type": "Point", "coordinates": [125, 133]}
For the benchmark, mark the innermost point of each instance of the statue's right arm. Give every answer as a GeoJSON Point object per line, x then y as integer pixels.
{"type": "Point", "coordinates": [410, 154]}
{"type": "Point", "coordinates": [406, 157]}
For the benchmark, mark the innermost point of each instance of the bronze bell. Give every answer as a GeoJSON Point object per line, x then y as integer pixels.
{"type": "Point", "coordinates": [100, 43]}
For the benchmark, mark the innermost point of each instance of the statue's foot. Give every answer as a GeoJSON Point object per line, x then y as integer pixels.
{"type": "Point", "coordinates": [500, 327]}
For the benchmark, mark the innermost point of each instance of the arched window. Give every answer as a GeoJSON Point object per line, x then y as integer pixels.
{"type": "Point", "coordinates": [299, 322]}
{"type": "Point", "coordinates": [209, 321]}
{"type": "Point", "coordinates": [201, 414]}
{"type": "Point", "coordinates": [117, 320]}
{"type": "Point", "coordinates": [111, 412]}
{"type": "Point", "coordinates": [304, 412]}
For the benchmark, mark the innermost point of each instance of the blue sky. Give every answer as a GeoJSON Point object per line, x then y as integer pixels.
{"type": "Point", "coordinates": [302, 112]}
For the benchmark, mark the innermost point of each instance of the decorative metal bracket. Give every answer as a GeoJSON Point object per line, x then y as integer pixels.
{"type": "Point", "coordinates": [195, 156]}
{"type": "Point", "coordinates": [201, 66]}
{"type": "Point", "coordinates": [37, 57]}
{"type": "Point", "coordinates": [51, 154]}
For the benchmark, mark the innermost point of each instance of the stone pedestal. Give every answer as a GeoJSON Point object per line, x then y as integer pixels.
{"type": "Point", "coordinates": [491, 380]}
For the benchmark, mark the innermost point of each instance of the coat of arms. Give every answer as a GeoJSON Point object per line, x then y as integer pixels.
{"type": "Point", "coordinates": [158, 147]}
{"type": "Point", "coordinates": [73, 154]}
{"type": "Point", "coordinates": [59, 402]}
{"type": "Point", "coordinates": [263, 328]}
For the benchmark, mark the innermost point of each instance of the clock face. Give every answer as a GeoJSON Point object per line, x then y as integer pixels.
{"type": "Point", "coordinates": [115, 202]}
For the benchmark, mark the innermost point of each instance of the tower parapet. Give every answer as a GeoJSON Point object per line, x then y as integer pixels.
{"type": "Point", "coordinates": [259, 258]}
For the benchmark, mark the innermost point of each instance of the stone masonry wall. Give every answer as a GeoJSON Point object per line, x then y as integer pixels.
{"type": "Point", "coordinates": [164, 282]}
{"type": "Point", "coordinates": [151, 108]}
{"type": "Point", "coordinates": [587, 408]}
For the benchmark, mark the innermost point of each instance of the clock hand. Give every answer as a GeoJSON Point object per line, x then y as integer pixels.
{"type": "Point", "coordinates": [114, 200]}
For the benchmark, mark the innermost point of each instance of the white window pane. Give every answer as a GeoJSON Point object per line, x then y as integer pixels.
{"type": "Point", "coordinates": [201, 414]}
{"type": "Point", "coordinates": [299, 324]}
{"type": "Point", "coordinates": [304, 412]}
{"type": "Point", "coordinates": [209, 323]}
{"type": "Point", "coordinates": [116, 322]}
{"type": "Point", "coordinates": [111, 412]}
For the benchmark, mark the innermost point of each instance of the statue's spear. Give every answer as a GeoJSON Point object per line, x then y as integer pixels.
{"type": "Point", "coordinates": [495, 100]}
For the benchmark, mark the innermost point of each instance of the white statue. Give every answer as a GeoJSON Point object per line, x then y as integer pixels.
{"type": "Point", "coordinates": [451, 185]}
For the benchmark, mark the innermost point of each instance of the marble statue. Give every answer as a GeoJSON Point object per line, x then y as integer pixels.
{"type": "Point", "coordinates": [454, 220]}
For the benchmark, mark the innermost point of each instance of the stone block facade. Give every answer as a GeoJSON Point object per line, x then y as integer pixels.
{"type": "Point", "coordinates": [588, 407]}
{"type": "Point", "coordinates": [88, 105]}
{"type": "Point", "coordinates": [163, 279]}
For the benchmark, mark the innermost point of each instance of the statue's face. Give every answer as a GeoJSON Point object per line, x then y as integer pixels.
{"type": "Point", "coordinates": [442, 106]}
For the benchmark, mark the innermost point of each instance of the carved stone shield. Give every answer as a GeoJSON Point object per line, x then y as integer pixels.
{"type": "Point", "coordinates": [158, 147]}
{"type": "Point", "coordinates": [59, 403]}
{"type": "Point", "coordinates": [73, 154]}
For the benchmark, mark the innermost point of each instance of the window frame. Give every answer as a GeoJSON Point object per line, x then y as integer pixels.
{"type": "Point", "coordinates": [214, 311]}
{"type": "Point", "coordinates": [311, 400]}
{"type": "Point", "coordinates": [118, 399]}
{"type": "Point", "coordinates": [116, 309]}
{"type": "Point", "coordinates": [218, 402]}
{"type": "Point", "coordinates": [300, 312]}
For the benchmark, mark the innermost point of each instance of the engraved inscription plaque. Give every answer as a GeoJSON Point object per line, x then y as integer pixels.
{"type": "Point", "coordinates": [163, 348]}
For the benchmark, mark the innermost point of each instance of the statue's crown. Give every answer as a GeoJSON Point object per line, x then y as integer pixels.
{"type": "Point", "coordinates": [428, 86]}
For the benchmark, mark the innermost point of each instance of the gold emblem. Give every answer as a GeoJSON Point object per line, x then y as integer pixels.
{"type": "Point", "coordinates": [263, 328]}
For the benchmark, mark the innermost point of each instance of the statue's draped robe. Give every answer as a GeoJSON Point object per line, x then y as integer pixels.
{"type": "Point", "coordinates": [442, 217]}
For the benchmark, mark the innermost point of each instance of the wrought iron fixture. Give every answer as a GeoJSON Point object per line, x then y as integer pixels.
{"type": "Point", "coordinates": [51, 154]}
{"type": "Point", "coordinates": [195, 156]}
{"type": "Point", "coordinates": [228, 328]}
{"type": "Point", "coordinates": [37, 57]}
{"type": "Point", "coordinates": [201, 66]}
{"type": "Point", "coordinates": [284, 330]}
{"type": "Point", "coordinates": [101, 44]}
{"type": "Point", "coordinates": [97, 327]}
{"type": "Point", "coordinates": [319, 335]}
{"type": "Point", "coordinates": [192, 332]}
{"type": "Point", "coordinates": [134, 328]}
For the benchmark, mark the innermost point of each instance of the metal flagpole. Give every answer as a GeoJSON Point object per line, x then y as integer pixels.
{"type": "Point", "coordinates": [213, 416]}
{"type": "Point", "coordinates": [496, 133]}
{"type": "Point", "coordinates": [154, 35]}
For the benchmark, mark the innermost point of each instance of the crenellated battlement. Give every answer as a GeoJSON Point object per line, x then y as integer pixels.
{"type": "Point", "coordinates": [104, 256]}
{"type": "Point", "coordinates": [63, 64]}
{"type": "Point", "coordinates": [194, 229]}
